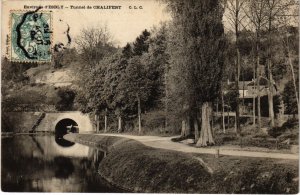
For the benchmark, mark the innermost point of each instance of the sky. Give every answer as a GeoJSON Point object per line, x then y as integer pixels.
{"type": "Point", "coordinates": [125, 24]}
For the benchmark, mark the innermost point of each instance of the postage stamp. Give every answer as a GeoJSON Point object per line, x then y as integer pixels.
{"type": "Point", "coordinates": [31, 36]}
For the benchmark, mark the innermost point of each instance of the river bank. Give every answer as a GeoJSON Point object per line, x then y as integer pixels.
{"type": "Point", "coordinates": [135, 167]}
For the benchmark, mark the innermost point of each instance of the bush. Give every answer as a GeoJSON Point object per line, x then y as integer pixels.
{"type": "Point", "coordinates": [290, 124]}
{"type": "Point", "coordinates": [221, 138]}
{"type": "Point", "coordinates": [289, 98]}
{"type": "Point", "coordinates": [153, 122]}
{"type": "Point", "coordinates": [6, 124]}
{"type": "Point", "coordinates": [66, 101]}
{"type": "Point", "coordinates": [276, 131]}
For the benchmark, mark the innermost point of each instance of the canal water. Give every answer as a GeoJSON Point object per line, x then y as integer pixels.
{"type": "Point", "coordinates": [42, 163]}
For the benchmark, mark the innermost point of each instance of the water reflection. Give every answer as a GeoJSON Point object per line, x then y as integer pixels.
{"type": "Point", "coordinates": [64, 167]}
{"type": "Point", "coordinates": [38, 164]}
{"type": "Point", "coordinates": [61, 141]}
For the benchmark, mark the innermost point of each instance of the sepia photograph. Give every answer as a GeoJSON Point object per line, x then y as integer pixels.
{"type": "Point", "coordinates": [150, 96]}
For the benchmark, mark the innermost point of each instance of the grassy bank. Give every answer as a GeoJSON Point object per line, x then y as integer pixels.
{"type": "Point", "coordinates": [138, 168]}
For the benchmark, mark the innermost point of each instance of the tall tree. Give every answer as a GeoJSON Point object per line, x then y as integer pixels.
{"type": "Point", "coordinates": [203, 45]}
{"type": "Point", "coordinates": [136, 87]}
{"type": "Point", "coordinates": [275, 9]}
{"type": "Point", "coordinates": [235, 16]}
{"type": "Point", "coordinates": [141, 43]}
{"type": "Point", "coordinates": [289, 98]}
{"type": "Point", "coordinates": [95, 46]}
{"type": "Point", "coordinates": [127, 51]}
{"type": "Point", "coordinates": [180, 87]}
{"type": "Point", "coordinates": [289, 34]}
{"type": "Point", "coordinates": [256, 14]}
{"type": "Point", "coordinates": [116, 99]}
{"type": "Point", "coordinates": [156, 64]}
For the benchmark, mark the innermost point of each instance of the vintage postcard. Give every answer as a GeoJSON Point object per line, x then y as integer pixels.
{"type": "Point", "coordinates": [150, 96]}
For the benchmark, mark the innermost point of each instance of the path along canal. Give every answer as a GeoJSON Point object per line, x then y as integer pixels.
{"type": "Point", "coordinates": [42, 163]}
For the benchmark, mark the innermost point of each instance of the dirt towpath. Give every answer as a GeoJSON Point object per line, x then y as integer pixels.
{"type": "Point", "coordinates": [166, 143]}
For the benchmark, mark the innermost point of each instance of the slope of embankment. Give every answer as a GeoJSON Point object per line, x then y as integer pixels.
{"type": "Point", "coordinates": [138, 168]}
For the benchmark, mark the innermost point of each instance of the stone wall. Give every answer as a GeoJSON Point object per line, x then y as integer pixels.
{"type": "Point", "coordinates": [18, 121]}
{"type": "Point", "coordinates": [24, 121]}
{"type": "Point", "coordinates": [51, 119]}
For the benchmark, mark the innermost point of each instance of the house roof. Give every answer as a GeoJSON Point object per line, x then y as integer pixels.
{"type": "Point", "coordinates": [242, 84]}
{"type": "Point", "coordinates": [262, 82]}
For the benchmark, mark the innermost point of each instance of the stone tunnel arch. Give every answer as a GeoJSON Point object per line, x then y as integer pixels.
{"type": "Point", "coordinates": [66, 125]}
{"type": "Point", "coordinates": [63, 127]}
{"type": "Point", "coordinates": [85, 124]}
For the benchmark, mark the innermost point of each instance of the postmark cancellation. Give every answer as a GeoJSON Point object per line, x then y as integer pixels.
{"type": "Point", "coordinates": [30, 36]}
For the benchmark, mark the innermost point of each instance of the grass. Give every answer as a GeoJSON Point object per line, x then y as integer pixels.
{"type": "Point", "coordinates": [138, 168]}
{"type": "Point", "coordinates": [253, 175]}
{"type": "Point", "coordinates": [274, 138]}
{"type": "Point", "coordinates": [153, 124]}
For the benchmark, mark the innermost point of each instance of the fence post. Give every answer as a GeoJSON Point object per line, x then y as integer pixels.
{"type": "Point", "coordinates": [241, 142]}
{"type": "Point", "coordinates": [217, 153]}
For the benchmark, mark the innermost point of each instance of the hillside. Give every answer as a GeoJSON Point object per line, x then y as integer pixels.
{"type": "Point", "coordinates": [42, 89]}
{"type": "Point", "coordinates": [45, 75]}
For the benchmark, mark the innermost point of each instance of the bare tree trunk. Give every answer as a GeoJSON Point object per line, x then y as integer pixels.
{"type": "Point", "coordinates": [223, 115]}
{"type": "Point", "coordinates": [281, 113]}
{"type": "Point", "coordinates": [166, 96]}
{"type": "Point", "coordinates": [254, 109]}
{"type": "Point", "coordinates": [212, 122]}
{"type": "Point", "coordinates": [119, 124]}
{"type": "Point", "coordinates": [228, 119]}
{"type": "Point", "coordinates": [254, 96]}
{"type": "Point", "coordinates": [243, 94]}
{"type": "Point", "coordinates": [258, 109]}
{"type": "Point", "coordinates": [235, 125]}
{"type": "Point", "coordinates": [206, 137]}
{"type": "Point", "coordinates": [196, 127]}
{"type": "Point", "coordinates": [217, 106]}
{"type": "Point", "coordinates": [238, 65]}
{"type": "Point", "coordinates": [183, 128]}
{"type": "Point", "coordinates": [270, 96]}
{"type": "Point", "coordinates": [270, 90]}
{"type": "Point", "coordinates": [186, 127]}
{"type": "Point", "coordinates": [139, 114]}
{"type": "Point", "coordinates": [105, 121]}
{"type": "Point", "coordinates": [237, 78]}
{"type": "Point", "coordinates": [293, 76]}
{"type": "Point", "coordinates": [97, 123]}
{"type": "Point", "coordinates": [140, 124]}
{"type": "Point", "coordinates": [258, 85]}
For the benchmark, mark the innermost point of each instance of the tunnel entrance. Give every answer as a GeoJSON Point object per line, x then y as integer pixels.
{"type": "Point", "coordinates": [63, 127]}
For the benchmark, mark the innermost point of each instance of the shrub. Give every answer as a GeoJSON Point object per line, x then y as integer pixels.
{"type": "Point", "coordinates": [6, 123]}
{"type": "Point", "coordinates": [290, 124]}
{"type": "Point", "coordinates": [289, 98]}
{"type": "Point", "coordinates": [66, 101]}
{"type": "Point", "coordinates": [153, 121]}
{"type": "Point", "coordinates": [222, 138]}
